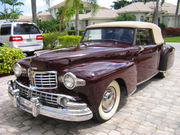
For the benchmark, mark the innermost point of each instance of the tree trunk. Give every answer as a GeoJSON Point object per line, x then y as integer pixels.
{"type": "Point", "coordinates": [61, 20]}
{"type": "Point", "coordinates": [156, 12]}
{"type": "Point", "coordinates": [13, 12]}
{"type": "Point", "coordinates": [77, 23]}
{"type": "Point", "coordinates": [33, 5]}
{"type": "Point", "coordinates": [176, 15]}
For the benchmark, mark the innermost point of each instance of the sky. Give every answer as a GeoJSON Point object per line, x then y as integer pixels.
{"type": "Point", "coordinates": [41, 5]}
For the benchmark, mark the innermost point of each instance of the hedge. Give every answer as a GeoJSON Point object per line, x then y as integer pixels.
{"type": "Point", "coordinates": [49, 40]}
{"type": "Point", "coordinates": [172, 31]}
{"type": "Point", "coordinates": [68, 40]}
{"type": "Point", "coordinates": [8, 57]}
{"type": "Point", "coordinates": [72, 32]}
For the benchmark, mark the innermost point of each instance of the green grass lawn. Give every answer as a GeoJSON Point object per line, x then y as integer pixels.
{"type": "Point", "coordinates": [172, 39]}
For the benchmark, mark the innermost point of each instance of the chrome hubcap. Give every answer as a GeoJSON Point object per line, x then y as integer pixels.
{"type": "Point", "coordinates": [109, 99]}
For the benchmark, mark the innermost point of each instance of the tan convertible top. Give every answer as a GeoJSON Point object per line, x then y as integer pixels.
{"type": "Point", "coordinates": [134, 24]}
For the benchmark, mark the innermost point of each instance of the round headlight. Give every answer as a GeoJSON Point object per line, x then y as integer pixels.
{"type": "Point", "coordinates": [17, 70]}
{"type": "Point", "coordinates": [69, 81]}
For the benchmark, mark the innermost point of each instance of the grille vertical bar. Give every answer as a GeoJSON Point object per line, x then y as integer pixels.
{"type": "Point", "coordinates": [45, 80]}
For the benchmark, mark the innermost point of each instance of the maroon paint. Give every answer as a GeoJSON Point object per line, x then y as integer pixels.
{"type": "Point", "coordinates": [99, 65]}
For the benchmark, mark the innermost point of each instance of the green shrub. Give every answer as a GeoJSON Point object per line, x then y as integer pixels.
{"type": "Point", "coordinates": [49, 40]}
{"type": "Point", "coordinates": [8, 57]}
{"type": "Point", "coordinates": [68, 40]}
{"type": "Point", "coordinates": [162, 26]}
{"type": "Point", "coordinates": [81, 32]}
{"type": "Point", "coordinates": [72, 32]}
{"type": "Point", "coordinates": [125, 17]}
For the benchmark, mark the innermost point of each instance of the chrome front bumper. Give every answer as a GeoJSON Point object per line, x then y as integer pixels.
{"type": "Point", "coordinates": [74, 111]}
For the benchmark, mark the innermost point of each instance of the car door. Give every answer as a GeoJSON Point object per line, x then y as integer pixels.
{"type": "Point", "coordinates": [148, 56]}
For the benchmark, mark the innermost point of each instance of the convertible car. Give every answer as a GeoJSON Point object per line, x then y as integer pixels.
{"type": "Point", "coordinates": [90, 79]}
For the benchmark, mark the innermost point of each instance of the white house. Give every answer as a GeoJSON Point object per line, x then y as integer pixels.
{"type": "Point", "coordinates": [102, 15]}
{"type": "Point", "coordinates": [142, 12]}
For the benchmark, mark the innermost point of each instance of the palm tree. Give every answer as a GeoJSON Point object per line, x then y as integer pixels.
{"type": "Point", "coordinates": [76, 6]}
{"type": "Point", "coordinates": [4, 14]}
{"type": "Point", "coordinates": [14, 3]}
{"type": "Point", "coordinates": [33, 6]}
{"type": "Point", "coordinates": [176, 15]}
{"type": "Point", "coordinates": [156, 15]}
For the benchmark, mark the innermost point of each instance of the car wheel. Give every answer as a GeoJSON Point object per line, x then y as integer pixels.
{"type": "Point", "coordinates": [162, 74]}
{"type": "Point", "coordinates": [109, 103]}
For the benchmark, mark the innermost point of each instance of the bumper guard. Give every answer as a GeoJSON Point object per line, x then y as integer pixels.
{"type": "Point", "coordinates": [74, 112]}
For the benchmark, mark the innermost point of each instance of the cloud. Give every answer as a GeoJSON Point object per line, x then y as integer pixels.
{"type": "Point", "coordinates": [39, 3]}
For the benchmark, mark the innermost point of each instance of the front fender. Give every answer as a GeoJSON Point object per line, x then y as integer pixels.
{"type": "Point", "coordinates": [99, 74]}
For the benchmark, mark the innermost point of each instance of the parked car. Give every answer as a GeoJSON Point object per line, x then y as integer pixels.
{"type": "Point", "coordinates": [89, 80]}
{"type": "Point", "coordinates": [23, 35]}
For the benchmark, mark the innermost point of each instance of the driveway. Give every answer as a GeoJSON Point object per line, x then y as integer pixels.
{"type": "Point", "coordinates": [154, 109]}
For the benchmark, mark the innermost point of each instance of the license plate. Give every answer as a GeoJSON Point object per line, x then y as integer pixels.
{"type": "Point", "coordinates": [25, 102]}
{"type": "Point", "coordinates": [29, 40]}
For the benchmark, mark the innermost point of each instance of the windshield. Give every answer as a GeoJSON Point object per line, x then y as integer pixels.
{"type": "Point", "coordinates": [25, 29]}
{"type": "Point", "coordinates": [119, 34]}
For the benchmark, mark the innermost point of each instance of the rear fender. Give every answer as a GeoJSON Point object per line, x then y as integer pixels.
{"type": "Point", "coordinates": [167, 58]}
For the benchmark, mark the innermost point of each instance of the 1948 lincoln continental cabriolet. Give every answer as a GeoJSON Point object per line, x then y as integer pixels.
{"type": "Point", "coordinates": [76, 84]}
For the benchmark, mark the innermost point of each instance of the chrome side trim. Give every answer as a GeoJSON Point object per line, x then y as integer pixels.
{"type": "Point", "coordinates": [147, 79]}
{"type": "Point", "coordinates": [133, 92]}
{"type": "Point", "coordinates": [141, 83]}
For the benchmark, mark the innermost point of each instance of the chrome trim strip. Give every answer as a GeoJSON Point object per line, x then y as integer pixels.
{"type": "Point", "coordinates": [141, 83]}
{"type": "Point", "coordinates": [133, 92]}
{"type": "Point", "coordinates": [147, 79]}
{"type": "Point", "coordinates": [53, 94]}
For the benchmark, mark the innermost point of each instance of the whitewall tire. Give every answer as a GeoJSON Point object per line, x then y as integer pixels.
{"type": "Point", "coordinates": [109, 103]}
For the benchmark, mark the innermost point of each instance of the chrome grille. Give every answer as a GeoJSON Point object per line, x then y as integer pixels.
{"type": "Point", "coordinates": [44, 97]}
{"type": "Point", "coordinates": [45, 80]}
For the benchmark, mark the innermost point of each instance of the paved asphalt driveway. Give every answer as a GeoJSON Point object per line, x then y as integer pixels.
{"type": "Point", "coordinates": [153, 109]}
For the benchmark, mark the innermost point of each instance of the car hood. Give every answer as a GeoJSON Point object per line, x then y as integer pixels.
{"type": "Point", "coordinates": [55, 59]}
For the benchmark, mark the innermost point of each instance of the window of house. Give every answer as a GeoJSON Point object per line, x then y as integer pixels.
{"type": "Point", "coordinates": [159, 20]}
{"type": "Point", "coordinates": [142, 18]}
{"type": "Point", "coordinates": [5, 29]}
{"type": "Point", "coordinates": [144, 37]}
{"type": "Point", "coordinates": [86, 23]}
{"type": "Point", "coordinates": [87, 11]}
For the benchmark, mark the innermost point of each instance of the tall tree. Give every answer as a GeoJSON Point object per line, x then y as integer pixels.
{"type": "Point", "coordinates": [76, 6]}
{"type": "Point", "coordinates": [33, 6]}
{"type": "Point", "coordinates": [14, 12]}
{"type": "Point", "coordinates": [176, 15]}
{"type": "Point", "coordinates": [120, 3]}
{"type": "Point", "coordinates": [14, 3]}
{"type": "Point", "coordinates": [156, 11]}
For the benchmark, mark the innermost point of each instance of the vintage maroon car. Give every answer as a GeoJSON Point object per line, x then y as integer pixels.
{"type": "Point", "coordinates": [89, 80]}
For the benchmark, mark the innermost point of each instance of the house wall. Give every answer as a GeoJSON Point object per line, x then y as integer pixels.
{"type": "Point", "coordinates": [82, 23]}
{"type": "Point", "coordinates": [170, 20]}
{"type": "Point", "coordinates": [53, 12]}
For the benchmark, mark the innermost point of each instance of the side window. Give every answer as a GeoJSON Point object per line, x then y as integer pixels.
{"type": "Point", "coordinates": [144, 37]}
{"type": "Point", "coordinates": [5, 29]}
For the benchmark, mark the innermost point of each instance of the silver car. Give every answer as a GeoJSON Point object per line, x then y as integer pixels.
{"type": "Point", "coordinates": [23, 35]}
